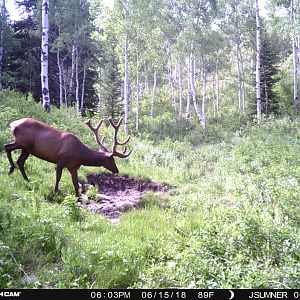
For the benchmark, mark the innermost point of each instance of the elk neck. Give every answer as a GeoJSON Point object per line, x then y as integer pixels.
{"type": "Point", "coordinates": [92, 158]}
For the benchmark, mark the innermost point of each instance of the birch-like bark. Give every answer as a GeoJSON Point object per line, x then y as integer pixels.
{"type": "Point", "coordinates": [188, 100]}
{"type": "Point", "coordinates": [44, 56]}
{"type": "Point", "coordinates": [258, 63]}
{"type": "Point", "coordinates": [239, 72]}
{"type": "Point", "coordinates": [295, 59]}
{"type": "Point", "coordinates": [126, 70]}
{"type": "Point", "coordinates": [146, 84]}
{"type": "Point", "coordinates": [77, 81]}
{"type": "Point", "coordinates": [194, 91]}
{"type": "Point", "coordinates": [83, 88]}
{"type": "Point", "coordinates": [153, 94]}
{"type": "Point", "coordinates": [204, 94]}
{"type": "Point", "coordinates": [64, 81]}
{"type": "Point", "coordinates": [172, 83]}
{"type": "Point", "coordinates": [180, 92]}
{"type": "Point", "coordinates": [100, 75]}
{"type": "Point", "coordinates": [218, 90]}
{"type": "Point", "coordinates": [243, 81]}
{"type": "Point", "coordinates": [214, 98]}
{"type": "Point", "coordinates": [137, 98]}
{"type": "Point", "coordinates": [60, 76]}
{"type": "Point", "coordinates": [73, 66]}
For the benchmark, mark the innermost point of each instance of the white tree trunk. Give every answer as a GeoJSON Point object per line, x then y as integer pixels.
{"type": "Point", "coordinates": [214, 92]}
{"type": "Point", "coordinates": [73, 67]}
{"type": "Point", "coordinates": [218, 90]}
{"type": "Point", "coordinates": [146, 84]}
{"type": "Point", "coordinates": [64, 82]}
{"type": "Point", "coordinates": [204, 94]}
{"type": "Point", "coordinates": [295, 58]}
{"type": "Point", "coordinates": [137, 99]}
{"type": "Point", "coordinates": [171, 82]}
{"type": "Point", "coordinates": [153, 94]}
{"type": "Point", "coordinates": [188, 100]}
{"type": "Point", "coordinates": [194, 90]}
{"type": "Point", "coordinates": [126, 70]}
{"type": "Point", "coordinates": [77, 81]}
{"type": "Point", "coordinates": [83, 88]}
{"type": "Point", "coordinates": [243, 80]}
{"type": "Point", "coordinates": [180, 92]}
{"type": "Point", "coordinates": [258, 63]}
{"type": "Point", "coordinates": [44, 56]}
{"type": "Point", "coordinates": [60, 76]}
{"type": "Point", "coordinates": [239, 72]}
{"type": "Point", "coordinates": [189, 93]}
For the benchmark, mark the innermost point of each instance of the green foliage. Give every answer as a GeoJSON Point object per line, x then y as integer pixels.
{"type": "Point", "coordinates": [283, 88]}
{"type": "Point", "coordinates": [230, 219]}
{"type": "Point", "coordinates": [111, 84]}
{"type": "Point", "coordinates": [269, 57]}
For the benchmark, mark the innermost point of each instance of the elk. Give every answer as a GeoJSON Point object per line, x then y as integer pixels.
{"type": "Point", "coordinates": [62, 148]}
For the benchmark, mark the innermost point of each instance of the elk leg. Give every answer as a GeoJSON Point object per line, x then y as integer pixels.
{"type": "Point", "coordinates": [75, 181]}
{"type": "Point", "coordinates": [21, 161]}
{"type": "Point", "coordinates": [59, 169]}
{"type": "Point", "coordinates": [8, 149]}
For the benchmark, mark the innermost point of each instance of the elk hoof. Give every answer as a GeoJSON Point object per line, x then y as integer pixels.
{"type": "Point", "coordinates": [11, 169]}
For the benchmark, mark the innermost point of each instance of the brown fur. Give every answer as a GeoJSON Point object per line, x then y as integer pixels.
{"type": "Point", "coordinates": [55, 146]}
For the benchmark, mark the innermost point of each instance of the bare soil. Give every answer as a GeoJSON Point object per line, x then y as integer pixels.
{"type": "Point", "coordinates": [118, 193]}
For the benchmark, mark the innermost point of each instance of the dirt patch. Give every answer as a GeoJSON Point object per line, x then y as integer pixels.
{"type": "Point", "coordinates": [118, 193]}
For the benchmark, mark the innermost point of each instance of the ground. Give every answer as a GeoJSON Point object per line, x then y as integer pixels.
{"type": "Point", "coordinates": [117, 193]}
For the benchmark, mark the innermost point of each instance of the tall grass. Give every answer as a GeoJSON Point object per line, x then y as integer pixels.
{"type": "Point", "coordinates": [231, 219]}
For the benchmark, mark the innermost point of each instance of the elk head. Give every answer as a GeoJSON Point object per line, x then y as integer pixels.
{"type": "Point", "coordinates": [109, 161]}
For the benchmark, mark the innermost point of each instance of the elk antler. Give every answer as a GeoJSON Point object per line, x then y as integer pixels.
{"type": "Point", "coordinates": [95, 131]}
{"type": "Point", "coordinates": [116, 143]}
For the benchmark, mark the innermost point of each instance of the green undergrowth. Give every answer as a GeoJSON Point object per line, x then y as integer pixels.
{"type": "Point", "coordinates": [230, 220]}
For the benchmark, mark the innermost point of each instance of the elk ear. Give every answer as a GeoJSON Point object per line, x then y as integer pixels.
{"type": "Point", "coordinates": [109, 154]}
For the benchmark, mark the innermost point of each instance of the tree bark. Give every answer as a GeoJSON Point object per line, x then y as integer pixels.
{"type": "Point", "coordinates": [214, 92]}
{"type": "Point", "coordinates": [44, 56]}
{"type": "Point", "coordinates": [153, 94]}
{"type": "Point", "coordinates": [83, 88]}
{"type": "Point", "coordinates": [180, 92]}
{"type": "Point", "coordinates": [204, 93]}
{"type": "Point", "coordinates": [73, 66]}
{"type": "Point", "coordinates": [171, 82]}
{"type": "Point", "coordinates": [239, 71]}
{"type": "Point", "coordinates": [146, 84]}
{"type": "Point", "coordinates": [126, 71]}
{"type": "Point", "coordinates": [295, 59]}
{"type": "Point", "coordinates": [60, 76]}
{"type": "Point", "coordinates": [137, 99]}
{"type": "Point", "coordinates": [188, 100]}
{"type": "Point", "coordinates": [243, 80]}
{"type": "Point", "coordinates": [194, 91]}
{"type": "Point", "coordinates": [258, 63]}
{"type": "Point", "coordinates": [77, 81]}
{"type": "Point", "coordinates": [64, 81]}
{"type": "Point", "coordinates": [218, 90]}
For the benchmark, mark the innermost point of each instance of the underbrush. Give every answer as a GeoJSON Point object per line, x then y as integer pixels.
{"type": "Point", "coordinates": [230, 220]}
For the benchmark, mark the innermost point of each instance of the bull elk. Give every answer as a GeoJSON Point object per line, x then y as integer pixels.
{"type": "Point", "coordinates": [62, 148]}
